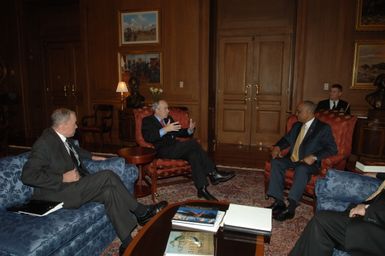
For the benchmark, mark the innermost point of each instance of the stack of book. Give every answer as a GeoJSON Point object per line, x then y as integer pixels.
{"type": "Point", "coordinates": [367, 166]}
{"type": "Point", "coordinates": [248, 219]}
{"type": "Point", "coordinates": [197, 218]}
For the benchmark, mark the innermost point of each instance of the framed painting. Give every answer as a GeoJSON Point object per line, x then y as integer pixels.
{"type": "Point", "coordinates": [369, 62]}
{"type": "Point", "coordinates": [139, 27]}
{"type": "Point", "coordinates": [146, 67]}
{"type": "Point", "coordinates": [370, 15]}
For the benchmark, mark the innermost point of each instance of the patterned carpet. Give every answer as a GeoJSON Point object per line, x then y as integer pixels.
{"type": "Point", "coordinates": [247, 189]}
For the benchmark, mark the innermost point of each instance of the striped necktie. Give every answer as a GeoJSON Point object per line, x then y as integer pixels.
{"type": "Point", "coordinates": [75, 158]}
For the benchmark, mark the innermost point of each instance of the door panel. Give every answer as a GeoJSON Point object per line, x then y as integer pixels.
{"type": "Point", "coordinates": [233, 120]}
{"type": "Point", "coordinates": [253, 80]}
{"type": "Point", "coordinates": [270, 90]}
{"type": "Point", "coordinates": [62, 71]}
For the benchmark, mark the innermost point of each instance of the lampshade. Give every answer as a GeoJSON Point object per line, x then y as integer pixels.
{"type": "Point", "coordinates": [122, 87]}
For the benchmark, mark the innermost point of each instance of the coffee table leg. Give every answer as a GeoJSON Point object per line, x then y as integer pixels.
{"type": "Point", "coordinates": [141, 189]}
{"type": "Point", "coordinates": [260, 248]}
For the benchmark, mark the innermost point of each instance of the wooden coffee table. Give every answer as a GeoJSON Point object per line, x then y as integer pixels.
{"type": "Point", "coordinates": [152, 238]}
{"type": "Point", "coordinates": [139, 156]}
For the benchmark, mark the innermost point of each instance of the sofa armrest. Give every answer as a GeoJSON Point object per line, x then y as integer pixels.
{"type": "Point", "coordinates": [340, 188]}
{"type": "Point", "coordinates": [128, 173]}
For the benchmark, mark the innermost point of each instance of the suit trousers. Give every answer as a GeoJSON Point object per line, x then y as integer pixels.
{"type": "Point", "coordinates": [302, 175]}
{"type": "Point", "coordinates": [330, 229]}
{"type": "Point", "coordinates": [104, 187]}
{"type": "Point", "coordinates": [192, 152]}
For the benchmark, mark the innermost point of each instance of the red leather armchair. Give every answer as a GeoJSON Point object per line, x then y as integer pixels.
{"type": "Point", "coordinates": [342, 127]}
{"type": "Point", "coordinates": [162, 168]}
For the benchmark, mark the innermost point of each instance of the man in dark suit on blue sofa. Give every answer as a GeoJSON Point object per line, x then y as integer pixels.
{"type": "Point", "coordinates": [310, 141]}
{"type": "Point", "coordinates": [334, 102]}
{"type": "Point", "coordinates": [55, 170]}
{"type": "Point", "coordinates": [161, 130]}
{"type": "Point", "coordinates": [360, 231]}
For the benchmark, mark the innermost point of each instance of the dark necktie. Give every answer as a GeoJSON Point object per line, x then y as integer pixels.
{"type": "Point", "coordinates": [162, 123]}
{"type": "Point", "coordinates": [75, 158]}
{"type": "Point", "coordinates": [334, 105]}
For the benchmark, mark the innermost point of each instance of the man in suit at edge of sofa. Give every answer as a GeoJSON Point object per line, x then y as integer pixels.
{"type": "Point", "coordinates": [360, 230]}
{"type": "Point", "coordinates": [55, 170]}
{"type": "Point", "coordinates": [161, 130]}
{"type": "Point", "coordinates": [310, 141]}
{"type": "Point", "coordinates": [334, 102]}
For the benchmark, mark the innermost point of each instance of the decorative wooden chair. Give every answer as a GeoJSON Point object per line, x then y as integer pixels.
{"type": "Point", "coordinates": [161, 168]}
{"type": "Point", "coordinates": [342, 127]}
{"type": "Point", "coordinates": [99, 123]}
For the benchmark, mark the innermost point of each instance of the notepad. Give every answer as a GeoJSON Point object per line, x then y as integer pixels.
{"type": "Point", "coordinates": [37, 208]}
{"type": "Point", "coordinates": [249, 219]}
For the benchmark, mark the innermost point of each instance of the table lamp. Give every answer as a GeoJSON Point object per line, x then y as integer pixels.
{"type": "Point", "coordinates": [122, 88]}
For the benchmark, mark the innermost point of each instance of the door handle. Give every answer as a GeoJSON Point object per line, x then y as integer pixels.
{"type": "Point", "coordinates": [257, 90]}
{"type": "Point", "coordinates": [247, 89]}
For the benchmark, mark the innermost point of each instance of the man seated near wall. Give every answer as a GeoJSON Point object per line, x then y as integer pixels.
{"type": "Point", "coordinates": [360, 230]}
{"type": "Point", "coordinates": [161, 130]}
{"type": "Point", "coordinates": [334, 102]}
{"type": "Point", "coordinates": [310, 141]}
{"type": "Point", "coordinates": [55, 169]}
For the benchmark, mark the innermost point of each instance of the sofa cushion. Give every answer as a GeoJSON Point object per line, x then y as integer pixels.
{"type": "Point", "coordinates": [45, 234]}
{"type": "Point", "coordinates": [12, 190]}
{"type": "Point", "coordinates": [347, 186]}
{"type": "Point", "coordinates": [128, 173]}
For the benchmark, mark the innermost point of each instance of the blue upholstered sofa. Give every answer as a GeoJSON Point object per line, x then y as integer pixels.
{"type": "Point", "coordinates": [340, 188]}
{"type": "Point", "coordinates": [83, 231]}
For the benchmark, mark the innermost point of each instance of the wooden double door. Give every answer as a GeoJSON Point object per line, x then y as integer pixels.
{"type": "Point", "coordinates": [65, 75]}
{"type": "Point", "coordinates": [253, 88]}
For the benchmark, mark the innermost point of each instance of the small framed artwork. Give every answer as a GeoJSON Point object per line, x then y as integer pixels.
{"type": "Point", "coordinates": [370, 15]}
{"type": "Point", "coordinates": [146, 67]}
{"type": "Point", "coordinates": [139, 27]}
{"type": "Point", "coordinates": [369, 62]}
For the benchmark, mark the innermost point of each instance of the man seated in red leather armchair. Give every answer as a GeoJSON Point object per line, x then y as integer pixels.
{"type": "Point", "coordinates": [161, 130]}
{"type": "Point", "coordinates": [309, 141]}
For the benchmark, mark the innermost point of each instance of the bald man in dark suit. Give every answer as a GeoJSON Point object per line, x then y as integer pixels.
{"type": "Point", "coordinates": [310, 141]}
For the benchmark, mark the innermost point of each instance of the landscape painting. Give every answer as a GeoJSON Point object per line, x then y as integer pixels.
{"type": "Point", "coordinates": [139, 27]}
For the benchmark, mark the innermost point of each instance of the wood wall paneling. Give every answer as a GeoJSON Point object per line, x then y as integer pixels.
{"type": "Point", "coordinates": [325, 49]}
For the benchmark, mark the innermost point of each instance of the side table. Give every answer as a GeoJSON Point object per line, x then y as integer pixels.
{"type": "Point", "coordinates": [139, 156]}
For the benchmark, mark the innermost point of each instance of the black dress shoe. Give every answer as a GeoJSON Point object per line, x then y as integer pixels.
{"type": "Point", "coordinates": [124, 245]}
{"type": "Point", "coordinates": [152, 210]}
{"type": "Point", "coordinates": [203, 192]}
{"type": "Point", "coordinates": [277, 208]}
{"type": "Point", "coordinates": [285, 215]}
{"type": "Point", "coordinates": [216, 177]}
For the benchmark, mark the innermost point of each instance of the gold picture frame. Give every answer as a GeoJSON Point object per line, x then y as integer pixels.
{"type": "Point", "coordinates": [369, 62]}
{"type": "Point", "coordinates": [139, 27]}
{"type": "Point", "coordinates": [370, 15]}
{"type": "Point", "coordinates": [143, 65]}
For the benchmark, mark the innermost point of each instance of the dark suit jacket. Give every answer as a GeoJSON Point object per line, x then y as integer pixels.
{"type": "Point", "coordinates": [318, 141]}
{"type": "Point", "coordinates": [48, 161]}
{"type": "Point", "coordinates": [371, 226]}
{"type": "Point", "coordinates": [150, 131]}
{"type": "Point", "coordinates": [341, 106]}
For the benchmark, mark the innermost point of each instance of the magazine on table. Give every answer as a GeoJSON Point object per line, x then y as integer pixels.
{"type": "Point", "coordinates": [37, 208]}
{"type": "Point", "coordinates": [190, 243]}
{"type": "Point", "coordinates": [193, 226]}
{"type": "Point", "coordinates": [195, 214]}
